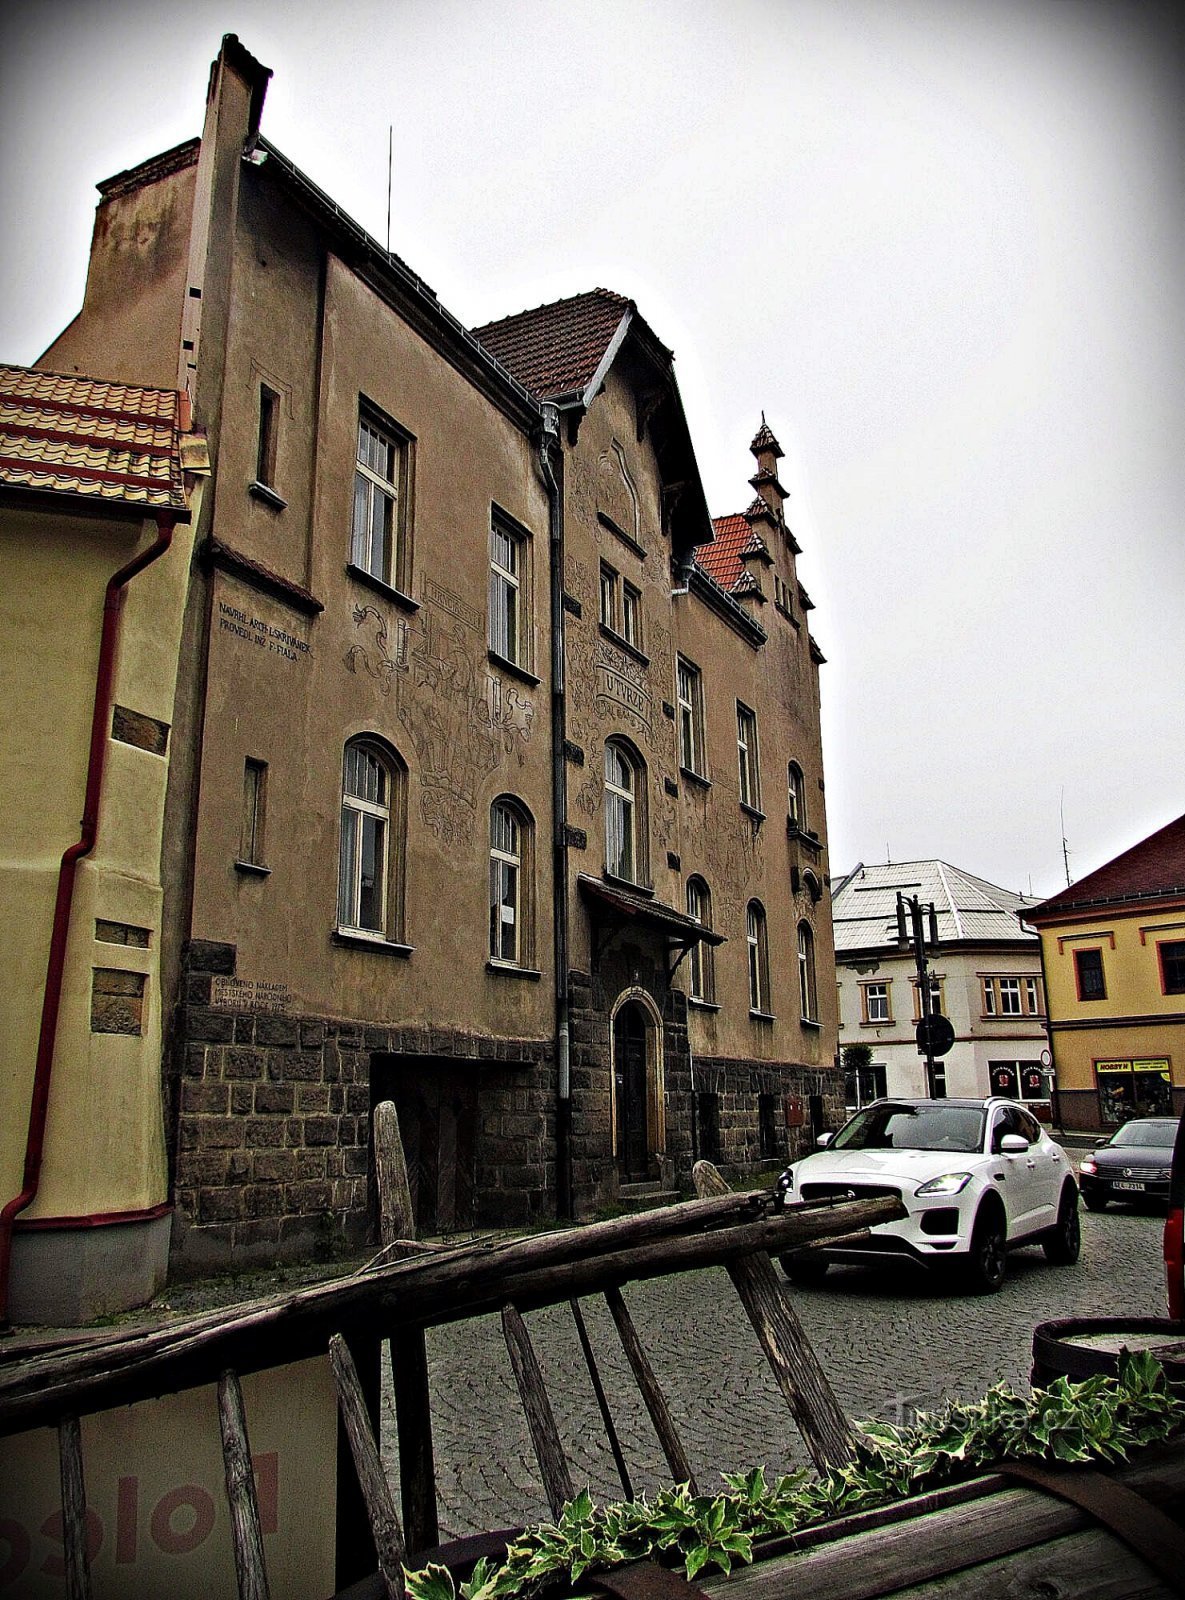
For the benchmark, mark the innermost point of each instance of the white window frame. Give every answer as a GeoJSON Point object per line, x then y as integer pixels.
{"type": "Point", "coordinates": [757, 944]}
{"type": "Point", "coordinates": [631, 614]}
{"type": "Point", "coordinates": [508, 561]}
{"type": "Point", "coordinates": [748, 763]}
{"type": "Point", "coordinates": [876, 1000]}
{"type": "Point", "coordinates": [701, 964]}
{"type": "Point", "coordinates": [1008, 990]}
{"type": "Point", "coordinates": [610, 601]}
{"type": "Point", "coordinates": [385, 558]}
{"type": "Point", "coordinates": [689, 695]}
{"type": "Point", "coordinates": [808, 993]}
{"type": "Point", "coordinates": [796, 795]}
{"type": "Point", "coordinates": [625, 856]}
{"type": "Point", "coordinates": [380, 814]}
{"type": "Point", "coordinates": [509, 846]}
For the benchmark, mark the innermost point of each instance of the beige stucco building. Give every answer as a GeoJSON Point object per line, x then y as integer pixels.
{"type": "Point", "coordinates": [985, 976]}
{"type": "Point", "coordinates": [495, 782]}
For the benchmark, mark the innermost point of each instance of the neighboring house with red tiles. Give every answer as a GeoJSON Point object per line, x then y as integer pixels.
{"type": "Point", "coordinates": [97, 493]}
{"type": "Point", "coordinates": [487, 792]}
{"type": "Point", "coordinates": [1113, 951]}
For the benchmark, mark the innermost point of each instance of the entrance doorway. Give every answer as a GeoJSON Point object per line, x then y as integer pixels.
{"type": "Point", "coordinates": [630, 1029]}
{"type": "Point", "coordinates": [436, 1103]}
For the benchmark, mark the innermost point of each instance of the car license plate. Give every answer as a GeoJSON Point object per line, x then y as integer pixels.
{"type": "Point", "coordinates": [1137, 1188]}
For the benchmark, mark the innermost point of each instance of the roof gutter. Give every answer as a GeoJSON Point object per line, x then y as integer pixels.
{"type": "Point", "coordinates": [55, 966]}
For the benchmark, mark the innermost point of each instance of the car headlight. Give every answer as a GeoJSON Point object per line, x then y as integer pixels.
{"type": "Point", "coordinates": [949, 1183]}
{"type": "Point", "coordinates": [1088, 1165]}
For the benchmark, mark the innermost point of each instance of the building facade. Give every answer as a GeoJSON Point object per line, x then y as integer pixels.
{"type": "Point", "coordinates": [985, 977]}
{"type": "Point", "coordinates": [95, 539]}
{"type": "Point", "coordinates": [479, 769]}
{"type": "Point", "coordinates": [1113, 949]}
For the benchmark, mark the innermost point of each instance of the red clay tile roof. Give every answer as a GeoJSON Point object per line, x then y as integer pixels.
{"type": "Point", "coordinates": [722, 559]}
{"type": "Point", "coordinates": [555, 349]}
{"type": "Point", "coordinates": [1154, 867]}
{"type": "Point", "coordinates": [101, 441]}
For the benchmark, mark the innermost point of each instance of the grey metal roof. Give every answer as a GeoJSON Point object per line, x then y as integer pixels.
{"type": "Point", "coordinates": [970, 910]}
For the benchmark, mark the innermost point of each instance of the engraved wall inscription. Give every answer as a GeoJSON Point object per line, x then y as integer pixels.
{"type": "Point", "coordinates": [249, 994]}
{"type": "Point", "coordinates": [274, 641]}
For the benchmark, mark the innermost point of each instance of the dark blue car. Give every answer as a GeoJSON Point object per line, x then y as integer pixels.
{"type": "Point", "coordinates": [1133, 1164]}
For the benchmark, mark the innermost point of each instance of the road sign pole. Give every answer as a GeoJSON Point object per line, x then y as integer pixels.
{"type": "Point", "coordinates": [918, 927]}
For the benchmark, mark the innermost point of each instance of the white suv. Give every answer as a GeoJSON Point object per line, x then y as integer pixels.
{"type": "Point", "coordinates": [976, 1176]}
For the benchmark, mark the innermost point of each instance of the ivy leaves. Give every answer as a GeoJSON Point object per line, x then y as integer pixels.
{"type": "Point", "coordinates": [1099, 1420]}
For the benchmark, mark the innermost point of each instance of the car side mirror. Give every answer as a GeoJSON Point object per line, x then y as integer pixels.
{"type": "Point", "coordinates": [823, 1140]}
{"type": "Point", "coordinates": [1099, 1143]}
{"type": "Point", "coordinates": [1013, 1144]}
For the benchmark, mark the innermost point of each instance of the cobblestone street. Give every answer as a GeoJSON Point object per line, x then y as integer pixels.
{"type": "Point", "coordinates": [892, 1343]}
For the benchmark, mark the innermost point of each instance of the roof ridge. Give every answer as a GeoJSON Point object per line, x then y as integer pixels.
{"type": "Point", "coordinates": [550, 305]}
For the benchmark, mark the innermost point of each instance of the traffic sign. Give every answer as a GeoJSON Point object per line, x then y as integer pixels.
{"type": "Point", "coordinates": [935, 1035]}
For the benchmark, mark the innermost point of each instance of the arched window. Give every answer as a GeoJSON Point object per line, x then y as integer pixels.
{"type": "Point", "coordinates": [369, 896]}
{"type": "Point", "coordinates": [806, 973]}
{"type": "Point", "coordinates": [625, 812]}
{"type": "Point", "coordinates": [758, 945]}
{"type": "Point", "coordinates": [796, 788]}
{"type": "Point", "coordinates": [511, 840]}
{"type": "Point", "coordinates": [701, 965]}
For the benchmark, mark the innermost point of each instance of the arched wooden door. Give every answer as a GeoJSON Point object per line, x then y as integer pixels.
{"type": "Point", "coordinates": [629, 1072]}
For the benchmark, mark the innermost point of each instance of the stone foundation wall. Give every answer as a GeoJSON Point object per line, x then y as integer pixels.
{"type": "Point", "coordinates": [270, 1123]}
{"type": "Point", "coordinates": [738, 1085]}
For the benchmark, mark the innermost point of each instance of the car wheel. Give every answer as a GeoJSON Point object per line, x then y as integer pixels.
{"type": "Point", "coordinates": [1063, 1244]}
{"type": "Point", "coordinates": [986, 1258]}
{"type": "Point", "coordinates": [804, 1271]}
{"type": "Point", "coordinates": [1095, 1202]}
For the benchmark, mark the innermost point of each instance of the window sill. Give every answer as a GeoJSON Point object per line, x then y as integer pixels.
{"type": "Point", "coordinates": [809, 1022]}
{"type": "Point", "coordinates": [622, 643]}
{"type": "Point", "coordinates": [873, 1022]}
{"type": "Point", "coordinates": [355, 939]}
{"type": "Point", "coordinates": [702, 1005]}
{"type": "Point", "coordinates": [265, 492]}
{"type": "Point", "coordinates": [694, 777]}
{"type": "Point", "coordinates": [629, 883]}
{"type": "Point", "coordinates": [253, 869]}
{"type": "Point", "coordinates": [619, 532]}
{"type": "Point", "coordinates": [804, 837]}
{"type": "Point", "coordinates": [752, 811]}
{"type": "Point", "coordinates": [513, 667]}
{"type": "Point", "coordinates": [508, 969]}
{"type": "Point", "coordinates": [761, 1016]}
{"type": "Point", "coordinates": [381, 586]}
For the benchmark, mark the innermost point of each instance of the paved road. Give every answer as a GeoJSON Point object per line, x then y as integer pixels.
{"type": "Point", "coordinates": [892, 1344]}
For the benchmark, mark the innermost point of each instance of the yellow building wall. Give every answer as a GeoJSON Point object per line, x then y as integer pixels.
{"type": "Point", "coordinates": [104, 1145]}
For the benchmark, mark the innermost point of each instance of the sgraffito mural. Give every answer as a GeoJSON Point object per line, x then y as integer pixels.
{"type": "Point", "coordinates": [462, 718]}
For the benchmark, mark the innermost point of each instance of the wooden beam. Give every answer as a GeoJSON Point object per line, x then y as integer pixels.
{"type": "Point", "coordinates": [651, 1391]}
{"type": "Point", "coordinates": [246, 1532]}
{"type": "Point", "coordinates": [74, 1552]}
{"type": "Point", "coordinates": [805, 1387]}
{"type": "Point", "coordinates": [396, 1218]}
{"type": "Point", "coordinates": [545, 1436]}
{"type": "Point", "coordinates": [376, 1491]}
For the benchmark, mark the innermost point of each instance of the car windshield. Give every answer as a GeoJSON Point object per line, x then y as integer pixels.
{"type": "Point", "coordinates": [1145, 1134]}
{"type": "Point", "coordinates": [893, 1125]}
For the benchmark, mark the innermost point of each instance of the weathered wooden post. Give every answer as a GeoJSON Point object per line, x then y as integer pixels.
{"type": "Point", "coordinates": [245, 1528]}
{"type": "Point", "coordinates": [409, 1350]}
{"type": "Point", "coordinates": [820, 1417]}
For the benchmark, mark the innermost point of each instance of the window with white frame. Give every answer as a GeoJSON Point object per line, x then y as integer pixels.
{"type": "Point", "coordinates": [625, 806]}
{"type": "Point", "coordinates": [1011, 995]}
{"type": "Point", "coordinates": [747, 762]}
{"type": "Point", "coordinates": [510, 883]}
{"type": "Point", "coordinates": [689, 693]}
{"type": "Point", "coordinates": [796, 793]}
{"type": "Point", "coordinates": [369, 876]}
{"type": "Point", "coordinates": [937, 998]}
{"type": "Point", "coordinates": [379, 537]}
{"type": "Point", "coordinates": [1033, 997]}
{"type": "Point", "coordinates": [874, 1002]}
{"type": "Point", "coordinates": [807, 993]}
{"type": "Point", "coordinates": [610, 598]}
{"type": "Point", "coordinates": [757, 942]}
{"type": "Point", "coordinates": [631, 615]}
{"type": "Point", "coordinates": [701, 966]}
{"type": "Point", "coordinates": [508, 619]}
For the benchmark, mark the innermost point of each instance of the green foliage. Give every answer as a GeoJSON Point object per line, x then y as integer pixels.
{"type": "Point", "coordinates": [1101, 1419]}
{"type": "Point", "coordinates": [856, 1056]}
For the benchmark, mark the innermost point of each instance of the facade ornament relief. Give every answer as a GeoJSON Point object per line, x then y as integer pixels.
{"type": "Point", "coordinates": [375, 659]}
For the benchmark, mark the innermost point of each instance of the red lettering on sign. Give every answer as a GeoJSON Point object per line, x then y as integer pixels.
{"type": "Point", "coordinates": [54, 1566]}
{"type": "Point", "coordinates": [165, 1537]}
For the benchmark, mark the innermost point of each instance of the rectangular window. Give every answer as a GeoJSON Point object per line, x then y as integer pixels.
{"type": "Point", "coordinates": [707, 1108]}
{"type": "Point", "coordinates": [989, 996]}
{"type": "Point", "coordinates": [749, 771]}
{"type": "Point", "coordinates": [936, 1001]}
{"type": "Point", "coordinates": [862, 1085]}
{"type": "Point", "coordinates": [1172, 966]}
{"type": "Point", "coordinates": [378, 538]}
{"type": "Point", "coordinates": [689, 693]}
{"type": "Point", "coordinates": [876, 1002]}
{"type": "Point", "coordinates": [1033, 997]}
{"type": "Point", "coordinates": [1088, 970]}
{"type": "Point", "coordinates": [507, 631]}
{"type": "Point", "coordinates": [1009, 997]}
{"type": "Point", "coordinates": [609, 598]}
{"type": "Point", "coordinates": [254, 817]}
{"type": "Point", "coordinates": [767, 1126]}
{"type": "Point", "coordinates": [631, 615]}
{"type": "Point", "coordinates": [269, 427]}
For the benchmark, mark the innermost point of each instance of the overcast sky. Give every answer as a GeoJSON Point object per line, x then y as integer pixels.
{"type": "Point", "coordinates": [940, 244]}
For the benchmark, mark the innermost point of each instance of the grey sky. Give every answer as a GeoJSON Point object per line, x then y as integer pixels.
{"type": "Point", "coordinates": [940, 244]}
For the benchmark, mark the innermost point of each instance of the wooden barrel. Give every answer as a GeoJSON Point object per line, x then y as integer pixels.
{"type": "Point", "coordinates": [1083, 1347]}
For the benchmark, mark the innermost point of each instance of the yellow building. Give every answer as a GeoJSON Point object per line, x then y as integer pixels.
{"type": "Point", "coordinates": [94, 556]}
{"type": "Point", "coordinates": [1113, 950]}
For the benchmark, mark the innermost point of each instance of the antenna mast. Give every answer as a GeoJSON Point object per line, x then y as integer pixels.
{"type": "Point", "coordinates": [1065, 847]}
{"type": "Point", "coordinates": [390, 145]}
